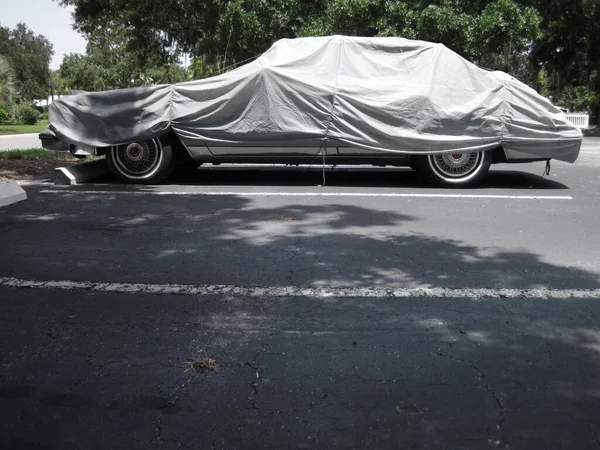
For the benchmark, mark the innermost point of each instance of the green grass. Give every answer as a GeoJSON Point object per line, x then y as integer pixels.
{"type": "Point", "coordinates": [34, 153]}
{"type": "Point", "coordinates": [23, 129]}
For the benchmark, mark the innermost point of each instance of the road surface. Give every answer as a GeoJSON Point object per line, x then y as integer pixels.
{"type": "Point", "coordinates": [372, 312]}
{"type": "Point", "coordinates": [19, 141]}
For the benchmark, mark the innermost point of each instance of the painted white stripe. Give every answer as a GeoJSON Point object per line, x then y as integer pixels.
{"type": "Point", "coordinates": [315, 194]}
{"type": "Point", "coordinates": [294, 291]}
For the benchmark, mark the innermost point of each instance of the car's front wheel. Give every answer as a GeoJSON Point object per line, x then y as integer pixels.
{"type": "Point", "coordinates": [148, 161]}
{"type": "Point", "coordinates": [456, 169]}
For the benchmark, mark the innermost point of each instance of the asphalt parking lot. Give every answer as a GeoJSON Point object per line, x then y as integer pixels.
{"type": "Point", "coordinates": [256, 308]}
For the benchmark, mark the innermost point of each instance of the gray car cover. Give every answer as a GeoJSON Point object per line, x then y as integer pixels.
{"type": "Point", "coordinates": [384, 94]}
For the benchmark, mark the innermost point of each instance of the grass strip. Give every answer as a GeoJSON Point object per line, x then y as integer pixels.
{"type": "Point", "coordinates": [34, 153]}
{"type": "Point", "coordinates": [23, 129]}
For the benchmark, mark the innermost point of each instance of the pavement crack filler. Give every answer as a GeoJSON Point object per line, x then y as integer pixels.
{"type": "Point", "coordinates": [307, 291]}
{"type": "Point", "coordinates": [502, 415]}
{"type": "Point", "coordinates": [253, 364]}
{"type": "Point", "coordinates": [481, 375]}
{"type": "Point", "coordinates": [253, 395]}
{"type": "Point", "coordinates": [254, 385]}
{"type": "Point", "coordinates": [158, 428]}
{"type": "Point", "coordinates": [594, 433]}
{"type": "Point", "coordinates": [496, 397]}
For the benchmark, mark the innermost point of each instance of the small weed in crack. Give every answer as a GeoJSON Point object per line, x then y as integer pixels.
{"type": "Point", "coordinates": [202, 366]}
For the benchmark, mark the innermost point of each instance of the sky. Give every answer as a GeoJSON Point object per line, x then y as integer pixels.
{"type": "Point", "coordinates": [47, 18]}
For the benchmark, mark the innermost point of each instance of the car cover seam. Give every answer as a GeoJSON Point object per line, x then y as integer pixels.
{"type": "Point", "coordinates": [335, 91]}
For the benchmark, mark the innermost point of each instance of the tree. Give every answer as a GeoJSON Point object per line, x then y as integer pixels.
{"type": "Point", "coordinates": [231, 30]}
{"type": "Point", "coordinates": [112, 61]}
{"type": "Point", "coordinates": [522, 37]}
{"type": "Point", "coordinates": [58, 85]}
{"type": "Point", "coordinates": [78, 73]}
{"type": "Point", "coordinates": [567, 51]}
{"type": "Point", "coordinates": [29, 55]}
{"type": "Point", "coordinates": [7, 83]}
{"type": "Point", "coordinates": [502, 36]}
{"type": "Point", "coordinates": [495, 34]}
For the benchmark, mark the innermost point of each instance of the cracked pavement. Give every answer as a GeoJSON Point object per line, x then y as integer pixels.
{"type": "Point", "coordinates": [90, 368]}
{"type": "Point", "coordinates": [297, 372]}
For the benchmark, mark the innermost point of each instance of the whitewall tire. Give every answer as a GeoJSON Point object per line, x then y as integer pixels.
{"type": "Point", "coordinates": [464, 169]}
{"type": "Point", "coordinates": [148, 161]}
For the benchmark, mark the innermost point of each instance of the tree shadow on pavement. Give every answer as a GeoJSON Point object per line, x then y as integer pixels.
{"type": "Point", "coordinates": [240, 241]}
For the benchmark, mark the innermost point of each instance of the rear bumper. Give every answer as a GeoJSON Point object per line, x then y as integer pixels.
{"type": "Point", "coordinates": [566, 150]}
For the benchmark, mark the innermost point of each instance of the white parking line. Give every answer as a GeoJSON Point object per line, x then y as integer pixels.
{"type": "Point", "coordinates": [294, 291]}
{"type": "Point", "coordinates": [314, 194]}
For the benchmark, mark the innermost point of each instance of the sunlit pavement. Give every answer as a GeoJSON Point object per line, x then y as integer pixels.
{"type": "Point", "coordinates": [371, 312]}
{"type": "Point", "coordinates": [19, 141]}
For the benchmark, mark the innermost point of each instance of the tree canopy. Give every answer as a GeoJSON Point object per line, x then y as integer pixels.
{"type": "Point", "coordinates": [550, 44]}
{"type": "Point", "coordinates": [113, 61]}
{"type": "Point", "coordinates": [28, 55]}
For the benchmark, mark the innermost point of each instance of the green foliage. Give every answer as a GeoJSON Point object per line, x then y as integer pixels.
{"type": "Point", "coordinates": [112, 61]}
{"type": "Point", "coordinates": [219, 30]}
{"type": "Point", "coordinates": [79, 72]}
{"type": "Point", "coordinates": [577, 98]}
{"type": "Point", "coordinates": [3, 115]}
{"type": "Point", "coordinates": [200, 68]}
{"type": "Point", "coordinates": [28, 114]}
{"type": "Point", "coordinates": [446, 24]}
{"type": "Point", "coordinates": [29, 55]}
{"type": "Point", "coordinates": [7, 82]}
{"type": "Point", "coordinates": [348, 17]}
{"type": "Point", "coordinates": [172, 73]}
{"type": "Point", "coordinates": [522, 37]}
{"type": "Point", "coordinates": [35, 154]}
{"type": "Point", "coordinates": [44, 116]}
{"type": "Point", "coordinates": [502, 33]}
{"type": "Point", "coordinates": [543, 83]}
{"type": "Point", "coordinates": [494, 34]}
{"type": "Point", "coordinates": [9, 128]}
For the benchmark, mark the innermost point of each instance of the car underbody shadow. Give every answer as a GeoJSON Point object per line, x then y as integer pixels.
{"type": "Point", "coordinates": [362, 176]}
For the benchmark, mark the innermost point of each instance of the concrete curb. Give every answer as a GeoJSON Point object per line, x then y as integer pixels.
{"type": "Point", "coordinates": [79, 173]}
{"type": "Point", "coordinates": [11, 192]}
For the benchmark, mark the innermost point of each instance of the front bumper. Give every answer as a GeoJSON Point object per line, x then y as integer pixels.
{"type": "Point", "coordinates": [52, 143]}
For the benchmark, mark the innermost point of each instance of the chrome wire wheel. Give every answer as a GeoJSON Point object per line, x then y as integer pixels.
{"type": "Point", "coordinates": [454, 167]}
{"type": "Point", "coordinates": [138, 160]}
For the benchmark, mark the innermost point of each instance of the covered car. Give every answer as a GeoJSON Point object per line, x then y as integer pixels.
{"type": "Point", "coordinates": [334, 99]}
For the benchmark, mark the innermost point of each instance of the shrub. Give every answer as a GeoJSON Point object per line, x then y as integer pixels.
{"type": "Point", "coordinates": [44, 116]}
{"type": "Point", "coordinates": [3, 115]}
{"type": "Point", "coordinates": [28, 115]}
{"type": "Point", "coordinates": [39, 108]}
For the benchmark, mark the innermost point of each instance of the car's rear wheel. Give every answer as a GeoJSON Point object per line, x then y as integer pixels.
{"type": "Point", "coordinates": [148, 161]}
{"type": "Point", "coordinates": [456, 169]}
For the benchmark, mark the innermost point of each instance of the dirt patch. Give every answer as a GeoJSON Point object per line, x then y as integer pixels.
{"type": "Point", "coordinates": [203, 366]}
{"type": "Point", "coordinates": [27, 169]}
